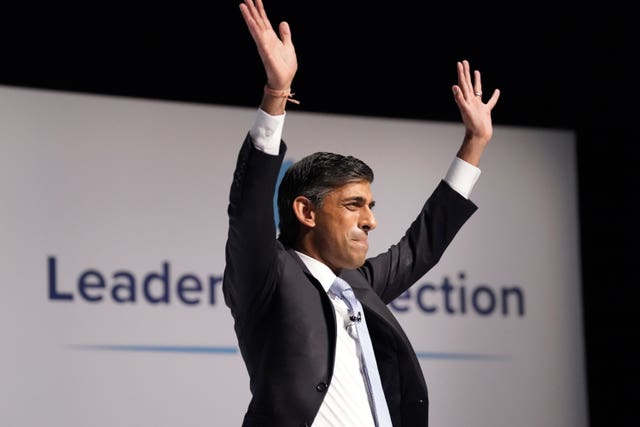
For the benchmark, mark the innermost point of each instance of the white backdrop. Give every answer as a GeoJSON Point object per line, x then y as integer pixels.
{"type": "Point", "coordinates": [113, 224]}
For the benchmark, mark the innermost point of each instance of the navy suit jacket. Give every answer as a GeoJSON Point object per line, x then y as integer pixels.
{"type": "Point", "coordinates": [284, 320]}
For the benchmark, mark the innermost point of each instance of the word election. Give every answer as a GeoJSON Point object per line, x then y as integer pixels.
{"type": "Point", "coordinates": [163, 286]}
{"type": "Point", "coordinates": [459, 299]}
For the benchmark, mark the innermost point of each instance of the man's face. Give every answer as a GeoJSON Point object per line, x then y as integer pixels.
{"type": "Point", "coordinates": [342, 224]}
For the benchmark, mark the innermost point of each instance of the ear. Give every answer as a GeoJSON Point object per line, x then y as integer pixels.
{"type": "Point", "coordinates": [304, 211]}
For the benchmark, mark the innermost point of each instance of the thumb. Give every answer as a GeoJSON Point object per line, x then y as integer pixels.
{"type": "Point", "coordinates": [285, 32]}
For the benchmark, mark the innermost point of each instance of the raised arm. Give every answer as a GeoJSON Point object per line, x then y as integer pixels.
{"type": "Point", "coordinates": [277, 54]}
{"type": "Point", "coordinates": [476, 115]}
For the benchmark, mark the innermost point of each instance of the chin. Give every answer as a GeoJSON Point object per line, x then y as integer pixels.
{"type": "Point", "coordinates": [359, 262]}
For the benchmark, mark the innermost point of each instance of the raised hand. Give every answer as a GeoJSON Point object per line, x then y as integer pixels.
{"type": "Point", "coordinates": [476, 115]}
{"type": "Point", "coordinates": [277, 52]}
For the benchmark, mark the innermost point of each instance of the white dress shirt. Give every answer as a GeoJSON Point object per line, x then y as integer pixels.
{"type": "Point", "coordinates": [347, 400]}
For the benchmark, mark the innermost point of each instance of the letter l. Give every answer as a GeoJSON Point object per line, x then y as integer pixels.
{"type": "Point", "coordinates": [53, 293]}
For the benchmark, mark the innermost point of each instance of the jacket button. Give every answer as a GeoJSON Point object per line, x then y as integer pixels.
{"type": "Point", "coordinates": [322, 387]}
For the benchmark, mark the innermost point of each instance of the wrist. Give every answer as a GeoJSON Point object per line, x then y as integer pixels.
{"type": "Point", "coordinates": [274, 101]}
{"type": "Point", "coordinates": [471, 151]}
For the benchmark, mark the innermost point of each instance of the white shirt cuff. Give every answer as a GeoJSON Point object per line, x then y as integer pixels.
{"type": "Point", "coordinates": [462, 176]}
{"type": "Point", "coordinates": [266, 132]}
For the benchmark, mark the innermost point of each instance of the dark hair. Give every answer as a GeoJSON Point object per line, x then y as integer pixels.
{"type": "Point", "coordinates": [313, 177]}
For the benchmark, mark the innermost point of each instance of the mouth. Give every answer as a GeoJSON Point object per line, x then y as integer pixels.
{"type": "Point", "coordinates": [362, 243]}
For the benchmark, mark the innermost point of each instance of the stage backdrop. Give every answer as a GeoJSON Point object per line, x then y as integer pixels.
{"type": "Point", "coordinates": [113, 224]}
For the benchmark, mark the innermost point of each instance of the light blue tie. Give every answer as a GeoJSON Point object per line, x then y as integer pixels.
{"type": "Point", "coordinates": [380, 408]}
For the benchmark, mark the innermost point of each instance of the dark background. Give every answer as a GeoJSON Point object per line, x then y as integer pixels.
{"type": "Point", "coordinates": [565, 68]}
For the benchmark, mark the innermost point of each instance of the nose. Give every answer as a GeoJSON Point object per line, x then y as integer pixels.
{"type": "Point", "coordinates": [368, 220]}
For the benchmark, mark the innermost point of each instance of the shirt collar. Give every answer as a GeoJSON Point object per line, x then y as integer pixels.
{"type": "Point", "coordinates": [319, 270]}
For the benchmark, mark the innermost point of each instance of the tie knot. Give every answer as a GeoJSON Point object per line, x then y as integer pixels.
{"type": "Point", "coordinates": [340, 286]}
{"type": "Point", "coordinates": [343, 290]}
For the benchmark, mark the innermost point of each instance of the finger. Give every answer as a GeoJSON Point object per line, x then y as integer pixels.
{"type": "Point", "coordinates": [285, 32]}
{"type": "Point", "coordinates": [249, 12]}
{"type": "Point", "coordinates": [459, 88]}
{"type": "Point", "coordinates": [494, 99]}
{"type": "Point", "coordinates": [256, 13]}
{"type": "Point", "coordinates": [261, 12]}
{"type": "Point", "coordinates": [477, 84]}
{"type": "Point", "coordinates": [249, 7]}
{"type": "Point", "coordinates": [458, 96]}
{"type": "Point", "coordinates": [464, 79]}
{"type": "Point", "coordinates": [460, 71]}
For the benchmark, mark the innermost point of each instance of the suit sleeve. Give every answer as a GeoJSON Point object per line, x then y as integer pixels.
{"type": "Point", "coordinates": [250, 249]}
{"type": "Point", "coordinates": [442, 216]}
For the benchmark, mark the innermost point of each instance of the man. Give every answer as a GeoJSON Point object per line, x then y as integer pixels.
{"type": "Point", "coordinates": [292, 326]}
